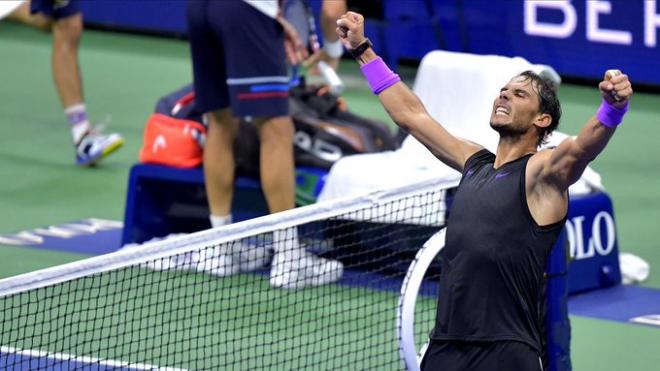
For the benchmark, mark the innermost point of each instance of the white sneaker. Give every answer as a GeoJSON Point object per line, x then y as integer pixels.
{"type": "Point", "coordinates": [304, 270]}
{"type": "Point", "coordinates": [176, 262]}
{"type": "Point", "coordinates": [95, 146]}
{"type": "Point", "coordinates": [233, 258]}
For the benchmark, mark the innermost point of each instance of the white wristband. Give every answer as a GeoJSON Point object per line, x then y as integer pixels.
{"type": "Point", "coordinates": [334, 49]}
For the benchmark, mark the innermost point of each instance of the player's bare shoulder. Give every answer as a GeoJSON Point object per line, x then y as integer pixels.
{"type": "Point", "coordinates": [539, 161]}
{"type": "Point", "coordinates": [540, 171]}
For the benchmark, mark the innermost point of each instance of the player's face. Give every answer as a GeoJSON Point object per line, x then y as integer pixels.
{"type": "Point", "coordinates": [515, 109]}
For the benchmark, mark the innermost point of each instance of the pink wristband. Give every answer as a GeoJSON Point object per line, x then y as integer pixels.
{"type": "Point", "coordinates": [609, 115]}
{"type": "Point", "coordinates": [379, 76]}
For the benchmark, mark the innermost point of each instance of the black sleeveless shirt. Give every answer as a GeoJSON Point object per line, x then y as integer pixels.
{"type": "Point", "coordinates": [492, 271]}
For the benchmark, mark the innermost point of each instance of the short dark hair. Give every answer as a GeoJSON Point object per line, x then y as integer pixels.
{"type": "Point", "coordinates": [548, 102]}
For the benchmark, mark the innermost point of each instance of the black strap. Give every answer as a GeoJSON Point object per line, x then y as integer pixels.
{"type": "Point", "coordinates": [357, 52]}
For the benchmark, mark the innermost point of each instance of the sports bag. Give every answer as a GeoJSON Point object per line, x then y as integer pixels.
{"type": "Point", "coordinates": [174, 135]}
{"type": "Point", "coordinates": [325, 130]}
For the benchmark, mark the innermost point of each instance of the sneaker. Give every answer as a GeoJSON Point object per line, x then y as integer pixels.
{"type": "Point", "coordinates": [172, 263]}
{"type": "Point", "coordinates": [303, 271]}
{"type": "Point", "coordinates": [227, 260]}
{"type": "Point", "coordinates": [94, 146]}
{"type": "Point", "coordinates": [175, 262]}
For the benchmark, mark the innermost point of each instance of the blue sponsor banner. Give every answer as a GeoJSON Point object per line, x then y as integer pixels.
{"type": "Point", "coordinates": [591, 234]}
{"type": "Point", "coordinates": [578, 38]}
{"type": "Point", "coordinates": [590, 238]}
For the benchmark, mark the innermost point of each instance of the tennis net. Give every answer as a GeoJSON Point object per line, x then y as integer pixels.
{"type": "Point", "coordinates": [167, 305]}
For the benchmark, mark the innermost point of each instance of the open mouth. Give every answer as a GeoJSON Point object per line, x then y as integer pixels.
{"type": "Point", "coordinates": [501, 111]}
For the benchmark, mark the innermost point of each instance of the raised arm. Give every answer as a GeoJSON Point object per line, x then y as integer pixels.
{"type": "Point", "coordinates": [403, 106]}
{"type": "Point", "coordinates": [564, 165]}
{"type": "Point", "coordinates": [551, 172]}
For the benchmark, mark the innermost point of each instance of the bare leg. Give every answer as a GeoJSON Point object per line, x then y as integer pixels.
{"type": "Point", "coordinates": [66, 39]}
{"type": "Point", "coordinates": [292, 266]}
{"type": "Point", "coordinates": [276, 156]}
{"type": "Point", "coordinates": [219, 161]}
{"type": "Point", "coordinates": [66, 70]}
{"type": "Point", "coordinates": [331, 10]}
{"type": "Point", "coordinates": [90, 147]}
{"type": "Point", "coordinates": [22, 14]}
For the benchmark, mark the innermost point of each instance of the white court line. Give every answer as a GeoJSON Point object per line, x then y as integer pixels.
{"type": "Point", "coordinates": [81, 359]}
{"type": "Point", "coordinates": [649, 319]}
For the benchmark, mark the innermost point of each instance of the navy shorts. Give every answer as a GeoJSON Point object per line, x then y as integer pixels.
{"type": "Point", "coordinates": [238, 59]}
{"type": "Point", "coordinates": [480, 356]}
{"type": "Point", "coordinates": [55, 9]}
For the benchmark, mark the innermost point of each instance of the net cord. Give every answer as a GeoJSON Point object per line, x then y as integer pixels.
{"type": "Point", "coordinates": [405, 316]}
{"type": "Point", "coordinates": [213, 237]}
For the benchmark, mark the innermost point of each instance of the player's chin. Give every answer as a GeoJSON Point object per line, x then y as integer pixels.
{"type": "Point", "coordinates": [498, 123]}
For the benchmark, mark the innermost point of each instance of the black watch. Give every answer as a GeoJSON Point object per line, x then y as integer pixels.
{"type": "Point", "coordinates": [357, 52]}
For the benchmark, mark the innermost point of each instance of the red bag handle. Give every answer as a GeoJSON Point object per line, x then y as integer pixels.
{"type": "Point", "coordinates": [183, 102]}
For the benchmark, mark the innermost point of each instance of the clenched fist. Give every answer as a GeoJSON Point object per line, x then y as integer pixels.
{"type": "Point", "coordinates": [616, 88]}
{"type": "Point", "coordinates": [350, 29]}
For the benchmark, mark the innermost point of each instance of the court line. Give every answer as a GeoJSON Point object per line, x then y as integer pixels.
{"type": "Point", "coordinates": [5, 351]}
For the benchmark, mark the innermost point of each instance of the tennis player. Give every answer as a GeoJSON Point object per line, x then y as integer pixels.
{"type": "Point", "coordinates": [508, 210]}
{"type": "Point", "coordinates": [64, 19]}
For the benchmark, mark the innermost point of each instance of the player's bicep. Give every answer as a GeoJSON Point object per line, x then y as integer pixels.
{"type": "Point", "coordinates": [451, 150]}
{"type": "Point", "coordinates": [564, 164]}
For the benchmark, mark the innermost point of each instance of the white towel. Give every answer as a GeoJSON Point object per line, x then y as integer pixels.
{"type": "Point", "coordinates": [633, 268]}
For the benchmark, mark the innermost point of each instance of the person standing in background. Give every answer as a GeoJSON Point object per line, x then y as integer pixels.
{"type": "Point", "coordinates": [63, 18]}
{"type": "Point", "coordinates": [239, 51]}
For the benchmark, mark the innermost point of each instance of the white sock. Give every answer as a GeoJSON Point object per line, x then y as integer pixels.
{"type": "Point", "coordinates": [219, 221]}
{"type": "Point", "coordinates": [285, 241]}
{"type": "Point", "coordinates": [77, 116]}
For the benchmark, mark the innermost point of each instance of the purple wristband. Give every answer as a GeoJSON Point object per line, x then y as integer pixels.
{"type": "Point", "coordinates": [609, 115]}
{"type": "Point", "coordinates": [379, 76]}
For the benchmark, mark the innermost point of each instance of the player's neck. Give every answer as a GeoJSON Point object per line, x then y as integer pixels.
{"type": "Point", "coordinates": [510, 149]}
